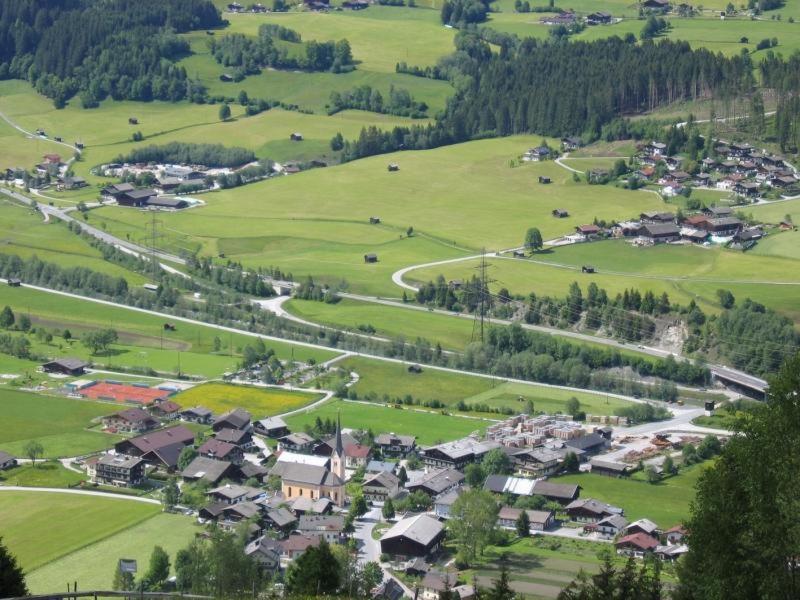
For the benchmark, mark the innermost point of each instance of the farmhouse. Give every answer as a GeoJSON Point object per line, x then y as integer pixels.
{"type": "Point", "coordinates": [66, 366]}
{"type": "Point", "coordinates": [435, 482]}
{"type": "Point", "coordinates": [7, 461]}
{"type": "Point", "coordinates": [119, 470]}
{"type": "Point", "coordinates": [273, 427]}
{"type": "Point", "coordinates": [444, 502]}
{"type": "Point", "coordinates": [237, 437]}
{"type": "Point", "coordinates": [197, 414]}
{"type": "Point", "coordinates": [656, 4]}
{"type": "Point", "coordinates": [645, 526]}
{"type": "Point", "coordinates": [136, 198]}
{"type": "Point", "coordinates": [718, 211]}
{"type": "Point", "coordinates": [540, 520]}
{"type": "Point", "coordinates": [590, 231]}
{"type": "Point", "coordinates": [280, 519]}
{"type": "Point", "coordinates": [747, 189]}
{"type": "Point", "coordinates": [131, 420]}
{"type": "Point", "coordinates": [457, 454]}
{"type": "Point", "coordinates": [296, 137]}
{"type": "Point", "coordinates": [237, 418]}
{"type": "Point", "coordinates": [381, 486]}
{"type": "Point", "coordinates": [537, 154]}
{"type": "Point", "coordinates": [675, 535]}
{"type": "Point", "coordinates": [234, 494]}
{"type": "Point", "coordinates": [657, 217]}
{"type": "Point", "coordinates": [660, 232]}
{"type": "Point", "coordinates": [167, 203]}
{"type": "Point", "coordinates": [636, 545]}
{"type": "Point", "coordinates": [328, 527]}
{"type": "Point", "coordinates": [609, 468]}
{"type": "Point", "coordinates": [229, 516]}
{"type": "Point", "coordinates": [266, 552]}
{"type": "Point", "coordinates": [536, 462]}
{"type": "Point", "coordinates": [414, 536]}
{"type": "Point", "coordinates": [563, 493]}
{"type": "Point", "coordinates": [573, 143]}
{"type": "Point", "coordinates": [207, 469]}
{"type": "Point", "coordinates": [160, 448]}
{"type": "Point", "coordinates": [166, 409]}
{"type": "Point", "coordinates": [297, 442]}
{"type": "Point", "coordinates": [395, 445]}
{"type": "Point", "coordinates": [725, 226]}
{"type": "Point", "coordinates": [589, 510]}
{"type": "Point", "coordinates": [610, 526]}
{"type": "Point", "coordinates": [219, 450]}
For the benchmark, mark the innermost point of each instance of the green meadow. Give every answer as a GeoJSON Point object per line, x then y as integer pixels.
{"type": "Point", "coordinates": [666, 503]}
{"type": "Point", "coordinates": [387, 381]}
{"type": "Point", "coordinates": [458, 199]}
{"type": "Point", "coordinates": [684, 272]}
{"type": "Point", "coordinates": [785, 244]}
{"type": "Point", "coordinates": [21, 151]}
{"type": "Point", "coordinates": [60, 424]}
{"type": "Point", "coordinates": [67, 522]}
{"type": "Point", "coordinates": [428, 426]}
{"type": "Point", "coordinates": [136, 328]}
{"type": "Point", "coordinates": [93, 566]}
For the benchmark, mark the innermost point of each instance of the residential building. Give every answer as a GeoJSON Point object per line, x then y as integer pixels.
{"type": "Point", "coordinates": [207, 469]}
{"type": "Point", "coordinates": [540, 520]}
{"type": "Point", "coordinates": [219, 450]}
{"type": "Point", "coordinates": [391, 444]}
{"type": "Point", "coordinates": [435, 482]}
{"type": "Point", "coordinates": [642, 526]}
{"type": "Point", "coordinates": [296, 544]}
{"type": "Point", "coordinates": [165, 409]}
{"type": "Point", "coordinates": [675, 535]}
{"type": "Point", "coordinates": [328, 527]}
{"type": "Point", "coordinates": [66, 366]}
{"type": "Point", "coordinates": [444, 502]}
{"type": "Point", "coordinates": [197, 414]}
{"type": "Point", "coordinates": [273, 427]}
{"type": "Point", "coordinates": [636, 545]}
{"type": "Point", "coordinates": [609, 468]}
{"type": "Point", "coordinates": [381, 486]}
{"type": "Point", "coordinates": [238, 437]}
{"type": "Point", "coordinates": [7, 461]}
{"type": "Point", "coordinates": [589, 510]}
{"type": "Point", "coordinates": [297, 442]}
{"type": "Point", "coordinates": [280, 519]}
{"type": "Point", "coordinates": [420, 535]}
{"type": "Point", "coordinates": [610, 526]}
{"type": "Point", "coordinates": [660, 232]}
{"type": "Point", "coordinates": [131, 420]}
{"type": "Point", "coordinates": [160, 448]}
{"type": "Point", "coordinates": [435, 583]}
{"type": "Point", "coordinates": [237, 418]}
{"type": "Point", "coordinates": [119, 470]}
{"type": "Point", "coordinates": [234, 494]}
{"type": "Point", "coordinates": [563, 493]}
{"type": "Point", "coordinates": [266, 552]}
{"type": "Point", "coordinates": [457, 454]}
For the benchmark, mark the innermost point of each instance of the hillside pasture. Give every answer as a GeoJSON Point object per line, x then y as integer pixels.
{"type": "Point", "coordinates": [684, 272]}
{"type": "Point", "coordinates": [458, 199]}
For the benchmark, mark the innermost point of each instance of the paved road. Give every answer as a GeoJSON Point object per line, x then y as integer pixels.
{"type": "Point", "coordinates": [370, 549]}
{"type": "Point", "coordinates": [101, 235]}
{"type": "Point", "coordinates": [44, 490]}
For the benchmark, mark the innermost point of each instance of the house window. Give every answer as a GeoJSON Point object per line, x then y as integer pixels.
{"type": "Point", "coordinates": [290, 492]}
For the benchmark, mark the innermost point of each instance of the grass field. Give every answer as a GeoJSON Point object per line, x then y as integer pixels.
{"type": "Point", "coordinates": [44, 474]}
{"type": "Point", "coordinates": [458, 199]}
{"type": "Point", "coordinates": [135, 328]}
{"type": "Point", "coordinates": [260, 402]}
{"type": "Point", "coordinates": [785, 244]}
{"type": "Point", "coordinates": [58, 423]}
{"type": "Point", "coordinates": [21, 151]}
{"type": "Point", "coordinates": [24, 233]}
{"type": "Point", "coordinates": [775, 212]}
{"type": "Point", "coordinates": [93, 566]}
{"type": "Point", "coordinates": [67, 522]}
{"type": "Point", "coordinates": [428, 427]}
{"type": "Point", "coordinates": [666, 503]}
{"type": "Point", "coordinates": [684, 272]}
{"type": "Point", "coordinates": [388, 381]}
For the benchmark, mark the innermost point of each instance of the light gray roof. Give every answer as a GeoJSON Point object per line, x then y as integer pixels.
{"type": "Point", "coordinates": [206, 468]}
{"type": "Point", "coordinates": [281, 517]}
{"type": "Point", "coordinates": [594, 506]}
{"type": "Point", "coordinates": [422, 529]}
{"type": "Point", "coordinates": [645, 525]}
{"type": "Point", "coordinates": [272, 423]}
{"type": "Point", "coordinates": [438, 481]}
{"type": "Point", "coordinates": [617, 521]}
{"type": "Point", "coordinates": [235, 491]}
{"type": "Point", "coordinates": [385, 439]}
{"type": "Point", "coordinates": [555, 490]}
{"type": "Point", "coordinates": [310, 475]}
{"type": "Point", "coordinates": [312, 523]}
{"type": "Point", "coordinates": [387, 480]}
{"type": "Point", "coordinates": [121, 461]}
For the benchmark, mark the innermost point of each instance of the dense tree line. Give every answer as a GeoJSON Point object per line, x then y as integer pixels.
{"type": "Point", "coordinates": [580, 87]}
{"type": "Point", "coordinates": [210, 155]}
{"type": "Point", "coordinates": [741, 530]}
{"type": "Point", "coordinates": [750, 337]}
{"type": "Point", "coordinates": [114, 48]}
{"type": "Point", "coordinates": [784, 77]}
{"type": "Point", "coordinates": [232, 276]}
{"type": "Point", "coordinates": [249, 55]}
{"type": "Point", "coordinates": [364, 97]}
{"type": "Point", "coordinates": [464, 12]}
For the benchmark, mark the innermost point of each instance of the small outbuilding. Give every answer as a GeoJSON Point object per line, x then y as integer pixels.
{"type": "Point", "coordinates": [66, 366]}
{"type": "Point", "coordinates": [370, 258]}
{"type": "Point", "coordinates": [374, 220]}
{"type": "Point", "coordinates": [393, 167]}
{"type": "Point", "coordinates": [296, 137]}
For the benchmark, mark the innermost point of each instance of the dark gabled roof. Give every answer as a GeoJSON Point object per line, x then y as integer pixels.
{"type": "Point", "coordinates": [5, 456]}
{"type": "Point", "coordinates": [495, 483]}
{"type": "Point", "coordinates": [384, 479]}
{"type": "Point", "coordinates": [217, 448]}
{"type": "Point", "coordinates": [656, 229]}
{"type": "Point", "coordinates": [238, 417]}
{"type": "Point", "coordinates": [161, 439]}
{"type": "Point", "coordinates": [281, 517]}
{"type": "Point", "coordinates": [133, 415]}
{"type": "Point", "coordinates": [140, 194]}
{"type": "Point", "coordinates": [548, 489]}
{"type": "Point", "coordinates": [68, 363]}
{"type": "Point", "coordinates": [232, 436]}
{"type": "Point", "coordinates": [166, 454]}
{"type": "Point", "coordinates": [206, 468]}
{"type": "Point", "coordinates": [197, 411]}
{"type": "Point", "coordinates": [386, 439]}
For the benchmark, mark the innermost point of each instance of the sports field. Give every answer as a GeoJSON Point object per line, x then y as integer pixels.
{"type": "Point", "coordinates": [430, 427]}
{"type": "Point", "coordinates": [260, 402]}
{"type": "Point", "coordinates": [58, 423]}
{"type": "Point", "coordinates": [66, 522]}
{"type": "Point", "coordinates": [93, 566]}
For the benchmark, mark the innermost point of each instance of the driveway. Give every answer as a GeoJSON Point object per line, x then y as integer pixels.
{"type": "Point", "coordinates": [370, 549]}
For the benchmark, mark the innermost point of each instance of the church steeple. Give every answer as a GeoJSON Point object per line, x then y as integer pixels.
{"type": "Point", "coordinates": [337, 457]}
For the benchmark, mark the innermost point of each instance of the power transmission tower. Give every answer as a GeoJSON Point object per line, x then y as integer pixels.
{"type": "Point", "coordinates": [154, 235]}
{"type": "Point", "coordinates": [484, 300]}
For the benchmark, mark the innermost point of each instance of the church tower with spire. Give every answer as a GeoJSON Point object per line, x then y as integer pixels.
{"type": "Point", "coordinates": [337, 457]}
